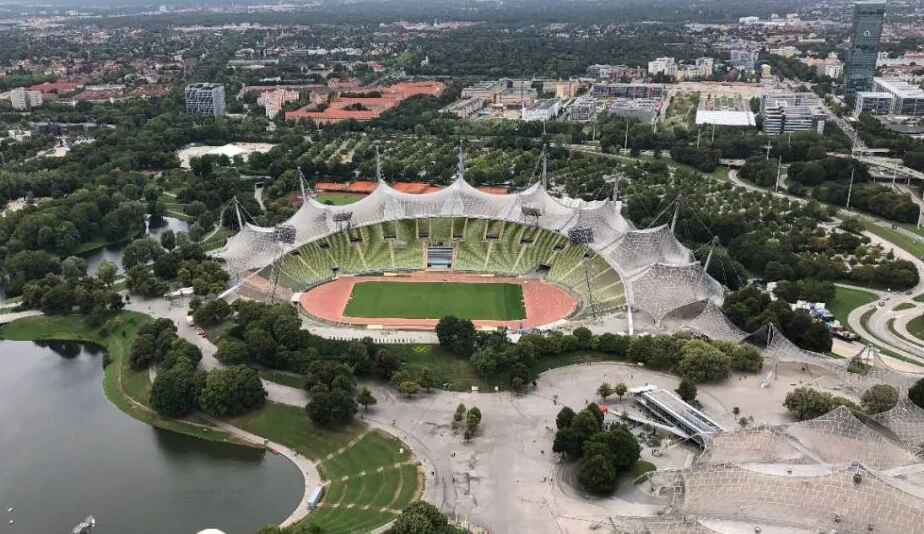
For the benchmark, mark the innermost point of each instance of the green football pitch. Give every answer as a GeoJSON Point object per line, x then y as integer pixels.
{"type": "Point", "coordinates": [434, 300]}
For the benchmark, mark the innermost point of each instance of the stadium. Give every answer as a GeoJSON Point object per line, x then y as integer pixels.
{"type": "Point", "coordinates": [522, 260]}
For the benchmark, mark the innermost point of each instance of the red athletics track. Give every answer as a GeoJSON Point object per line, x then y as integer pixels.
{"type": "Point", "coordinates": [544, 302]}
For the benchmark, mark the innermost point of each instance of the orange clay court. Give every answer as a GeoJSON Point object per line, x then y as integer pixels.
{"type": "Point", "coordinates": [542, 303]}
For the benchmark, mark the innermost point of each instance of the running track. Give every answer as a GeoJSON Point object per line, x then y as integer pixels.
{"type": "Point", "coordinates": [544, 302]}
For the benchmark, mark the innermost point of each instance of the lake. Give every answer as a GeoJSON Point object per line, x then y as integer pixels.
{"type": "Point", "coordinates": [67, 452]}
{"type": "Point", "coordinates": [113, 253]}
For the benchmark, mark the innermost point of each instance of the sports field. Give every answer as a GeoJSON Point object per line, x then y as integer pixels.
{"type": "Point", "coordinates": [433, 300]}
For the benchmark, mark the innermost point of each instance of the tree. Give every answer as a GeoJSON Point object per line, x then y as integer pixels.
{"type": "Point", "coordinates": [701, 362]}
{"type": "Point", "coordinates": [175, 392]}
{"type": "Point", "coordinates": [231, 392]}
{"type": "Point", "coordinates": [472, 419]}
{"type": "Point", "coordinates": [584, 337]}
{"type": "Point", "coordinates": [620, 390]}
{"type": "Point", "coordinates": [366, 399]}
{"type": "Point", "coordinates": [456, 335]}
{"type": "Point", "coordinates": [687, 390]}
{"type": "Point", "coordinates": [426, 379]}
{"type": "Point", "coordinates": [605, 390]}
{"type": "Point", "coordinates": [232, 351]}
{"type": "Point", "coordinates": [421, 517]}
{"type": "Point", "coordinates": [168, 240]}
{"type": "Point", "coordinates": [564, 418]}
{"type": "Point", "coordinates": [597, 475]}
{"type": "Point", "coordinates": [916, 393]}
{"type": "Point", "coordinates": [73, 268]}
{"type": "Point", "coordinates": [212, 312]}
{"type": "Point", "coordinates": [331, 407]}
{"type": "Point", "coordinates": [879, 398]}
{"type": "Point", "coordinates": [106, 272]}
{"type": "Point", "coordinates": [140, 252]}
{"type": "Point", "coordinates": [807, 403]}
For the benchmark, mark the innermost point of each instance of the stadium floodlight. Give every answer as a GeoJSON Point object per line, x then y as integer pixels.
{"type": "Point", "coordinates": [344, 216]}
{"type": "Point", "coordinates": [581, 235]}
{"type": "Point", "coordinates": [284, 233]}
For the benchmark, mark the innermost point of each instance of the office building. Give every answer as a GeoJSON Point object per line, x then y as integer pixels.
{"type": "Point", "coordinates": [792, 112]}
{"type": "Point", "coordinates": [584, 108]}
{"type": "Point", "coordinates": [23, 100]}
{"type": "Point", "coordinates": [205, 99]}
{"type": "Point", "coordinates": [864, 46]}
{"type": "Point", "coordinates": [641, 109]}
{"type": "Point", "coordinates": [466, 108]}
{"type": "Point", "coordinates": [543, 110]}
{"type": "Point", "coordinates": [907, 99]}
{"type": "Point", "coordinates": [628, 90]}
{"type": "Point", "coordinates": [877, 103]}
{"type": "Point", "coordinates": [743, 59]}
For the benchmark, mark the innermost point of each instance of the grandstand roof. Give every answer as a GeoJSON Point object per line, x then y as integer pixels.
{"type": "Point", "coordinates": [651, 262]}
{"type": "Point", "coordinates": [418, 188]}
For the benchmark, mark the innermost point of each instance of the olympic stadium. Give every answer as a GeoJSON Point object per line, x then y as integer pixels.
{"type": "Point", "coordinates": [573, 259]}
{"type": "Point", "coordinates": [529, 259]}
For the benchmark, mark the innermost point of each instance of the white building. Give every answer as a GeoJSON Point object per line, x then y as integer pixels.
{"type": "Point", "coordinates": [205, 99]}
{"type": "Point", "coordinates": [907, 99]}
{"type": "Point", "coordinates": [24, 100]}
{"type": "Point", "coordinates": [274, 101]}
{"type": "Point", "coordinates": [663, 65]}
{"type": "Point", "coordinates": [543, 110]}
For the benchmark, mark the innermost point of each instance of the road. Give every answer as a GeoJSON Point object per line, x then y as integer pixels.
{"type": "Point", "coordinates": [876, 329]}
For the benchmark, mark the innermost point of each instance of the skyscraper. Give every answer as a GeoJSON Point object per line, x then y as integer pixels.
{"type": "Point", "coordinates": [864, 46]}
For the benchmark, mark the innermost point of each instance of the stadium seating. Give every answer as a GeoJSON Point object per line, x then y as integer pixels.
{"type": "Point", "coordinates": [408, 256]}
{"type": "Point", "coordinates": [440, 230]}
{"type": "Point", "coordinates": [375, 250]}
{"type": "Point", "coordinates": [518, 249]}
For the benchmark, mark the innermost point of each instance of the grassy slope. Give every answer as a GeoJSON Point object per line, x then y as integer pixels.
{"type": "Point", "coordinates": [503, 302]}
{"type": "Point", "coordinates": [125, 388]}
{"type": "Point", "coordinates": [900, 239]}
{"type": "Point", "coordinates": [846, 300]}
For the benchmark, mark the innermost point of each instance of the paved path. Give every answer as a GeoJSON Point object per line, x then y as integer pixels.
{"type": "Point", "coordinates": [10, 317]}
{"type": "Point", "coordinates": [877, 331]}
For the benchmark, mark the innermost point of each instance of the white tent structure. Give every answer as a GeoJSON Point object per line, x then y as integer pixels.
{"type": "Point", "coordinates": [659, 273]}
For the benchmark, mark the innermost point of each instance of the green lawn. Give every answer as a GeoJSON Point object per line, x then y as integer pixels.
{"type": "Point", "coordinates": [846, 300]}
{"type": "Point", "coordinates": [916, 327]}
{"type": "Point", "coordinates": [905, 306]}
{"type": "Point", "coordinates": [339, 199]}
{"type": "Point", "coordinates": [426, 300]}
{"type": "Point", "coordinates": [456, 372]}
{"type": "Point", "coordinates": [290, 426]}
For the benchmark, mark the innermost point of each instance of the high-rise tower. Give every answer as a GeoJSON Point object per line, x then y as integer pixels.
{"type": "Point", "coordinates": [864, 46]}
